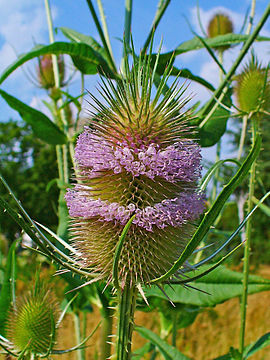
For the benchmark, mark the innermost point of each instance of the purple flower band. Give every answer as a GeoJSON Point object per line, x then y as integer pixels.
{"type": "Point", "coordinates": [180, 161]}
{"type": "Point", "coordinates": [174, 212]}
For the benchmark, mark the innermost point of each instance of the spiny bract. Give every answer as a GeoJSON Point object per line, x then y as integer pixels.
{"type": "Point", "coordinates": [136, 157]}
{"type": "Point", "coordinates": [32, 322]}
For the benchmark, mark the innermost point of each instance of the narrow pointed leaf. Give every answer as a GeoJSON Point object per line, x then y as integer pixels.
{"type": "Point", "coordinates": [214, 211]}
{"type": "Point", "coordinates": [118, 251]}
{"type": "Point", "coordinates": [222, 284]}
{"type": "Point", "coordinates": [169, 352]}
{"type": "Point", "coordinates": [261, 343]}
{"type": "Point", "coordinates": [41, 125]}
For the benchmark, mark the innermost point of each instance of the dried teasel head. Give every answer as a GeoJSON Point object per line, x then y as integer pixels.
{"type": "Point", "coordinates": [252, 88]}
{"type": "Point", "coordinates": [136, 157]}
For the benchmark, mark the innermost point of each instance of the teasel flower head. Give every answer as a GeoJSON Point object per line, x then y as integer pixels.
{"type": "Point", "coordinates": [31, 324]}
{"type": "Point", "coordinates": [220, 24]}
{"type": "Point", "coordinates": [136, 157]}
{"type": "Point", "coordinates": [252, 88]}
{"type": "Point", "coordinates": [45, 74]}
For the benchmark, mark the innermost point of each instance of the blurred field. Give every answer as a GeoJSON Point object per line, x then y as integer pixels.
{"type": "Point", "coordinates": [211, 335]}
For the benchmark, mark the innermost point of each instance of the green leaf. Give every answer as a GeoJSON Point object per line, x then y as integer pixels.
{"type": "Point", "coordinates": [187, 74]}
{"type": "Point", "coordinates": [7, 293]}
{"type": "Point", "coordinates": [222, 284]}
{"type": "Point", "coordinates": [84, 57]}
{"type": "Point", "coordinates": [215, 127]}
{"type": "Point", "coordinates": [220, 40]}
{"type": "Point", "coordinates": [262, 342]}
{"type": "Point", "coordinates": [197, 44]}
{"type": "Point", "coordinates": [139, 353]}
{"type": "Point", "coordinates": [41, 125]}
{"type": "Point", "coordinates": [169, 352]}
{"type": "Point", "coordinates": [77, 37]}
{"type": "Point", "coordinates": [211, 215]}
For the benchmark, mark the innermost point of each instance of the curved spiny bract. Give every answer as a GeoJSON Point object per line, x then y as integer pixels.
{"type": "Point", "coordinates": [136, 157]}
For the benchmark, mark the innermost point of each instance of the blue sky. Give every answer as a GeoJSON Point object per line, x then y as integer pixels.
{"type": "Point", "coordinates": [23, 23]}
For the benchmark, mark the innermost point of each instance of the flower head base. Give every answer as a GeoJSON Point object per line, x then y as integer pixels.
{"type": "Point", "coordinates": [136, 158]}
{"type": "Point", "coordinates": [220, 24]}
{"type": "Point", "coordinates": [253, 88]}
{"type": "Point", "coordinates": [32, 323]}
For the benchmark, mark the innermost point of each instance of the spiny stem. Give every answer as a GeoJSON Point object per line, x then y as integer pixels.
{"type": "Point", "coordinates": [126, 308]}
{"type": "Point", "coordinates": [106, 331]}
{"type": "Point", "coordinates": [243, 309]}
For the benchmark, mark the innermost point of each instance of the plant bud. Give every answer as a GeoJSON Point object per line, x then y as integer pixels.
{"type": "Point", "coordinates": [220, 24]}
{"type": "Point", "coordinates": [252, 88]}
{"type": "Point", "coordinates": [45, 71]}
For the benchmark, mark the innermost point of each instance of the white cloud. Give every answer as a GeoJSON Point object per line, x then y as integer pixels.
{"type": "Point", "coordinates": [23, 23]}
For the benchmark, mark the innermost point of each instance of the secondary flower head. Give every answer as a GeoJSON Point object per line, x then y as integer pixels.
{"type": "Point", "coordinates": [45, 71]}
{"type": "Point", "coordinates": [220, 24]}
{"type": "Point", "coordinates": [136, 157]}
{"type": "Point", "coordinates": [252, 88]}
{"type": "Point", "coordinates": [31, 324]}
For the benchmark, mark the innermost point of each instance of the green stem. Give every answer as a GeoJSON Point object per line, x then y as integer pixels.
{"type": "Point", "coordinates": [51, 37]}
{"type": "Point", "coordinates": [61, 152]}
{"type": "Point", "coordinates": [242, 137]}
{"type": "Point", "coordinates": [126, 309]}
{"type": "Point", "coordinates": [105, 27]}
{"type": "Point", "coordinates": [162, 6]}
{"type": "Point", "coordinates": [218, 149]}
{"type": "Point", "coordinates": [243, 309]}
{"type": "Point", "coordinates": [127, 32]}
{"type": "Point", "coordinates": [105, 333]}
{"type": "Point", "coordinates": [77, 329]}
{"type": "Point", "coordinates": [84, 331]}
{"type": "Point", "coordinates": [251, 17]}
{"type": "Point", "coordinates": [101, 34]}
{"type": "Point", "coordinates": [174, 331]}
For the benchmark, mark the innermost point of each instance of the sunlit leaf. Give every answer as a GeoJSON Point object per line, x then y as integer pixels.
{"type": "Point", "coordinates": [169, 352]}
{"type": "Point", "coordinates": [222, 284]}
{"type": "Point", "coordinates": [41, 125]}
{"type": "Point", "coordinates": [84, 57]}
